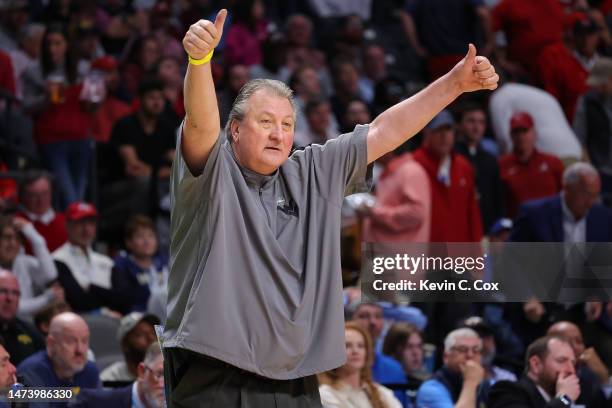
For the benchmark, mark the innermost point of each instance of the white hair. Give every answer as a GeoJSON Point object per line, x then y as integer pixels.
{"type": "Point", "coordinates": [573, 174]}
{"type": "Point", "coordinates": [452, 337]}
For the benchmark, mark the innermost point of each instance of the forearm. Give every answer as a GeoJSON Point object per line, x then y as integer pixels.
{"type": "Point", "coordinates": [404, 120]}
{"type": "Point", "coordinates": [467, 398]}
{"type": "Point", "coordinates": [46, 271]}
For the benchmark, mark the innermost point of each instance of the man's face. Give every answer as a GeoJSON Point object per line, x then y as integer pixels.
{"type": "Point", "coordinates": [153, 103]}
{"type": "Point", "coordinates": [440, 141]}
{"type": "Point", "coordinates": [586, 44]}
{"type": "Point", "coordinates": [348, 78]}
{"type": "Point", "coordinates": [262, 140]}
{"type": "Point", "coordinates": [7, 370]}
{"type": "Point", "coordinates": [357, 113]}
{"type": "Point", "coordinates": [9, 297]}
{"type": "Point", "coordinates": [560, 361]}
{"type": "Point", "coordinates": [58, 47]}
{"type": "Point", "coordinates": [82, 232]}
{"type": "Point", "coordinates": [319, 118]}
{"type": "Point", "coordinates": [309, 84]}
{"type": "Point", "coordinates": [141, 336]}
{"type": "Point", "coordinates": [582, 195]}
{"type": "Point", "coordinates": [413, 353]}
{"type": "Point", "coordinates": [465, 349]}
{"type": "Point", "coordinates": [370, 317]}
{"type": "Point", "coordinates": [68, 349]}
{"type": "Point", "coordinates": [299, 31]}
{"type": "Point", "coordinates": [573, 335]}
{"type": "Point", "coordinates": [149, 53]}
{"type": "Point", "coordinates": [523, 140]}
{"type": "Point", "coordinates": [37, 196]}
{"type": "Point", "coordinates": [33, 45]}
{"type": "Point", "coordinates": [151, 382]}
{"type": "Point", "coordinates": [473, 125]}
{"type": "Point", "coordinates": [374, 63]}
{"type": "Point", "coordinates": [143, 242]}
{"type": "Point", "coordinates": [9, 244]}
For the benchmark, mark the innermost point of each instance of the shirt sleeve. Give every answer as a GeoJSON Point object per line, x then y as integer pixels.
{"type": "Point", "coordinates": [339, 167]}
{"type": "Point", "coordinates": [432, 394]}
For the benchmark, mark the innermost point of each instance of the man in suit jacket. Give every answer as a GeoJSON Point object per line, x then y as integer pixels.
{"type": "Point", "coordinates": [146, 392]}
{"type": "Point", "coordinates": [550, 380]}
{"type": "Point", "coordinates": [572, 216]}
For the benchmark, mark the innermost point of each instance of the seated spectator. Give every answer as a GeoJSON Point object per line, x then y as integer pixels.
{"type": "Point", "coordinates": [84, 274]}
{"type": "Point", "coordinates": [7, 369]}
{"type": "Point", "coordinates": [592, 122]}
{"type": "Point", "coordinates": [112, 108]}
{"type": "Point", "coordinates": [374, 70]}
{"type": "Point", "coordinates": [14, 16]}
{"type": "Point", "coordinates": [171, 73]}
{"type": "Point", "coordinates": [404, 342]}
{"type": "Point", "coordinates": [135, 334]}
{"type": "Point", "coordinates": [52, 93]}
{"type": "Point", "coordinates": [572, 216]}
{"type": "Point", "coordinates": [564, 68]}
{"type": "Point", "coordinates": [493, 373]}
{"type": "Point", "coordinates": [455, 216]}
{"type": "Point", "coordinates": [237, 76]}
{"type": "Point", "coordinates": [64, 363]}
{"type": "Point", "coordinates": [320, 124]}
{"type": "Point", "coordinates": [140, 275]}
{"type": "Point", "coordinates": [352, 384]}
{"type": "Point", "coordinates": [458, 382]}
{"type": "Point", "coordinates": [470, 143]}
{"type": "Point", "coordinates": [300, 50]}
{"type": "Point", "coordinates": [246, 34]}
{"type": "Point", "coordinates": [146, 392]}
{"type": "Point", "coordinates": [555, 134]}
{"type": "Point", "coordinates": [385, 370]}
{"type": "Point", "coordinates": [357, 113]}
{"type": "Point", "coordinates": [550, 378]}
{"type": "Point", "coordinates": [34, 273]}
{"type": "Point", "coordinates": [346, 86]}
{"type": "Point", "coordinates": [20, 338]}
{"type": "Point", "coordinates": [527, 173]}
{"type": "Point", "coordinates": [42, 319]}
{"type": "Point", "coordinates": [592, 373]}
{"type": "Point", "coordinates": [35, 195]}
{"type": "Point", "coordinates": [142, 60]}
{"type": "Point", "coordinates": [306, 85]}
{"type": "Point", "coordinates": [30, 42]}
{"type": "Point", "coordinates": [402, 212]}
{"type": "Point", "coordinates": [274, 59]}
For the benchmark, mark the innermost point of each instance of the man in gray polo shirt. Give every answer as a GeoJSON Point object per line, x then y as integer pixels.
{"type": "Point", "coordinates": [255, 290]}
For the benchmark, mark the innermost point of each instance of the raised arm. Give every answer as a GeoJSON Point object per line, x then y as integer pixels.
{"type": "Point", "coordinates": [402, 121]}
{"type": "Point", "coordinates": [202, 122]}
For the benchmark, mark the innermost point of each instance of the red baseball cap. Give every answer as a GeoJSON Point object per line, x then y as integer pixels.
{"type": "Point", "coordinates": [521, 120]}
{"type": "Point", "coordinates": [106, 64]}
{"type": "Point", "coordinates": [80, 210]}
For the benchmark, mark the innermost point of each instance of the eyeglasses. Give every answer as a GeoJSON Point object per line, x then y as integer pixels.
{"type": "Point", "coordinates": [6, 292]}
{"type": "Point", "coordinates": [158, 375]}
{"type": "Point", "coordinates": [466, 349]}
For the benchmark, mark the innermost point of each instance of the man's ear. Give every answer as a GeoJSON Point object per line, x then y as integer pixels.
{"type": "Point", "coordinates": [535, 365]}
{"type": "Point", "coordinates": [140, 370]}
{"type": "Point", "coordinates": [234, 130]}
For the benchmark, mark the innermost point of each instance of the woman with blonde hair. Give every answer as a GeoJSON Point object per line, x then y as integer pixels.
{"type": "Point", "coordinates": [351, 385]}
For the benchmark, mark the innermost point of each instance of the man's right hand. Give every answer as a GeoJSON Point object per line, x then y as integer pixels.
{"type": "Point", "coordinates": [472, 372]}
{"type": "Point", "coordinates": [569, 385]}
{"type": "Point", "coordinates": [204, 36]}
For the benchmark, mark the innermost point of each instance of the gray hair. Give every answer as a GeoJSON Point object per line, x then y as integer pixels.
{"type": "Point", "coordinates": [573, 174]}
{"type": "Point", "coordinates": [241, 104]}
{"type": "Point", "coordinates": [152, 354]}
{"type": "Point", "coordinates": [452, 337]}
{"type": "Point", "coordinates": [30, 30]}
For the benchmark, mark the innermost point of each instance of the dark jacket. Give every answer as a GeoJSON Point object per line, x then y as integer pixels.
{"type": "Point", "coordinates": [21, 339]}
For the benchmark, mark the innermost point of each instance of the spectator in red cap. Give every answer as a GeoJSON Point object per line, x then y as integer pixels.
{"type": "Point", "coordinates": [113, 108]}
{"type": "Point", "coordinates": [564, 68]}
{"type": "Point", "coordinates": [84, 273]}
{"type": "Point", "coordinates": [527, 173]}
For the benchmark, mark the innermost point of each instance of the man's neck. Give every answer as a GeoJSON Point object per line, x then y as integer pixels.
{"type": "Point", "coordinates": [525, 156]}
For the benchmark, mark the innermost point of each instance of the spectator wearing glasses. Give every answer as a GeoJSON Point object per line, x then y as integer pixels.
{"type": "Point", "coordinates": [457, 383]}
{"type": "Point", "coordinates": [20, 338]}
{"type": "Point", "coordinates": [146, 392]}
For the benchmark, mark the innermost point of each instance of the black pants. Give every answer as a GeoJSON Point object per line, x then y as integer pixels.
{"type": "Point", "coordinates": [193, 380]}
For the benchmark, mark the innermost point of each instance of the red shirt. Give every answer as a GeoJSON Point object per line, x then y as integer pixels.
{"type": "Point", "coordinates": [563, 76]}
{"type": "Point", "coordinates": [7, 77]}
{"type": "Point", "coordinates": [539, 177]}
{"type": "Point", "coordinates": [53, 232]}
{"type": "Point", "coordinates": [529, 27]}
{"type": "Point", "coordinates": [106, 116]}
{"type": "Point", "coordinates": [455, 216]}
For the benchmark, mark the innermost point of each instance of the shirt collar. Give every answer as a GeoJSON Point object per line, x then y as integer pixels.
{"type": "Point", "coordinates": [544, 394]}
{"type": "Point", "coordinates": [45, 218]}
{"type": "Point", "coordinates": [567, 213]}
{"type": "Point", "coordinates": [136, 402]}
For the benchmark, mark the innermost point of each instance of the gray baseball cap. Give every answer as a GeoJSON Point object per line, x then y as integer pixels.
{"type": "Point", "coordinates": [129, 321]}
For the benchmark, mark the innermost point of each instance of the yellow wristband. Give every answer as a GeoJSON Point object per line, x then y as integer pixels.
{"type": "Point", "coordinates": [202, 61]}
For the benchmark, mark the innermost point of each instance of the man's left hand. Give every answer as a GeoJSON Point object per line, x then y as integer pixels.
{"type": "Point", "coordinates": [474, 73]}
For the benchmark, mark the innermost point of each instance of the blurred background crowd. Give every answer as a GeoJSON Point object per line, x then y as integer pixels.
{"type": "Point", "coordinates": [90, 100]}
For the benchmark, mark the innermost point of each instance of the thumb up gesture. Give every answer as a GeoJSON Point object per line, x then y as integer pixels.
{"type": "Point", "coordinates": [204, 36]}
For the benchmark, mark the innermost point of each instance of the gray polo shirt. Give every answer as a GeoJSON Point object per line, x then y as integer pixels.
{"type": "Point", "coordinates": [255, 275]}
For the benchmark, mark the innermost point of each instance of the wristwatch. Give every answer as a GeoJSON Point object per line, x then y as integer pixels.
{"type": "Point", "coordinates": [565, 400]}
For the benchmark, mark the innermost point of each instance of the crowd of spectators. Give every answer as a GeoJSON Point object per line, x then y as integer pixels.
{"type": "Point", "coordinates": [90, 101]}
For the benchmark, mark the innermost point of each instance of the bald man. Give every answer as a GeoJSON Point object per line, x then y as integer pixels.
{"type": "Point", "coordinates": [21, 339]}
{"type": "Point", "coordinates": [591, 371]}
{"type": "Point", "coordinates": [64, 363]}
